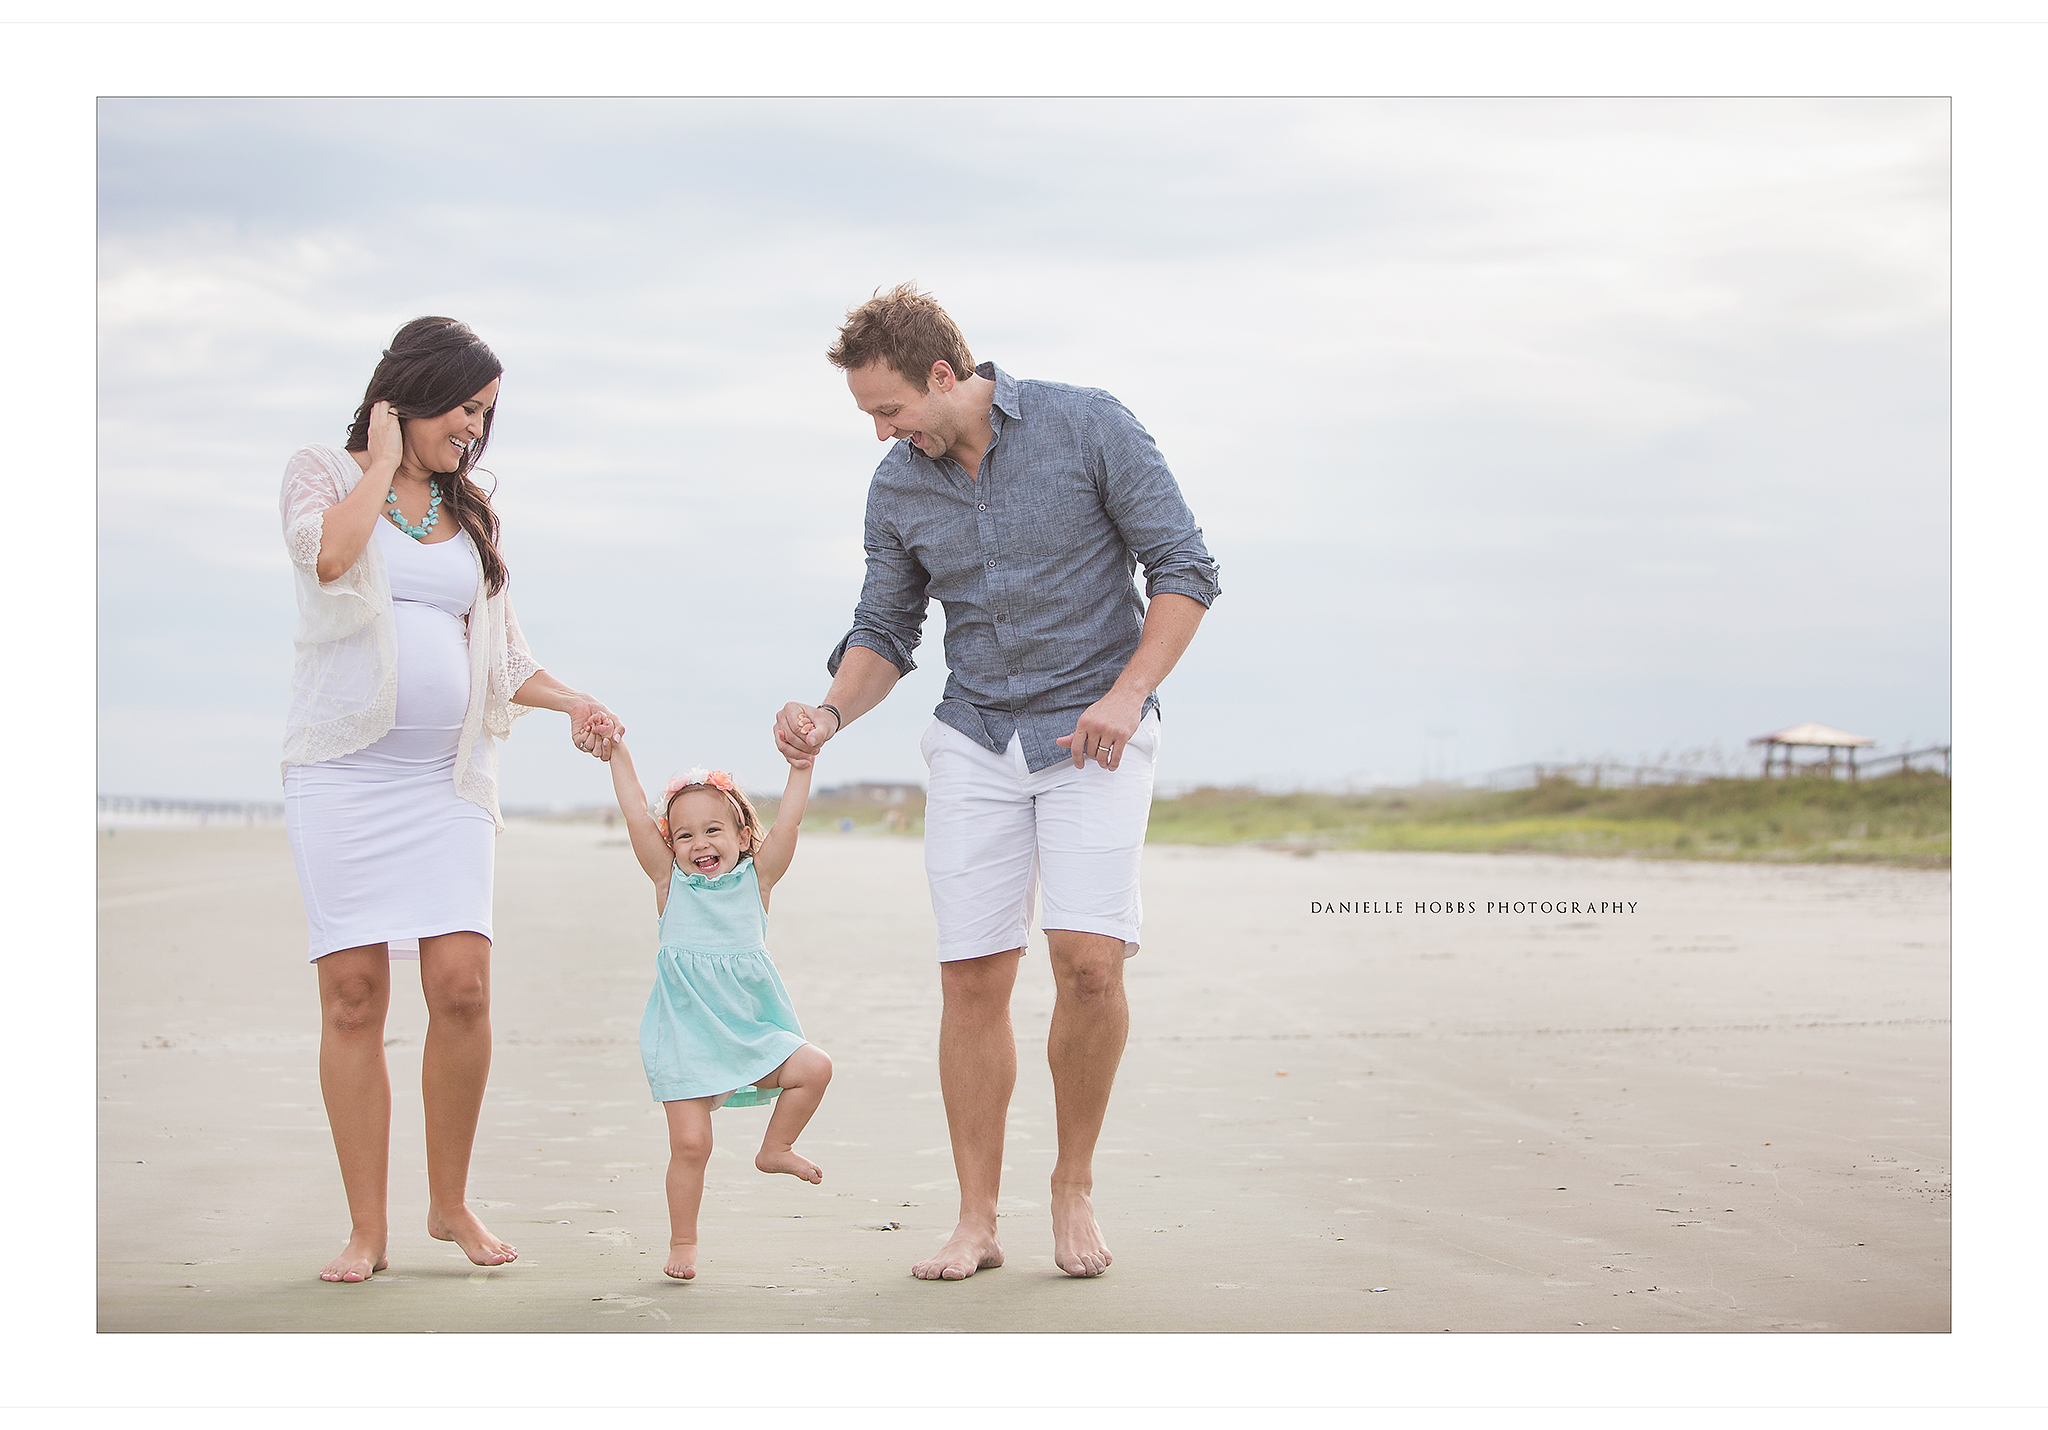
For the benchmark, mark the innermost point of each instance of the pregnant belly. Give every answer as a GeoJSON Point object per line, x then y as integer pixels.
{"type": "Point", "coordinates": [433, 667]}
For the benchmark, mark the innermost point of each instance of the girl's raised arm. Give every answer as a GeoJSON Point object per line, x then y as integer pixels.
{"type": "Point", "coordinates": [778, 846]}
{"type": "Point", "coordinates": [648, 845]}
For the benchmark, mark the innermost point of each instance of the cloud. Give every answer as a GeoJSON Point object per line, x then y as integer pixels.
{"type": "Point", "coordinates": [1449, 383]}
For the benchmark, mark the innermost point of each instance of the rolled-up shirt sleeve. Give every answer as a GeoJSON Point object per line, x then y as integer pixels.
{"type": "Point", "coordinates": [1141, 497]}
{"type": "Point", "coordinates": [889, 619]}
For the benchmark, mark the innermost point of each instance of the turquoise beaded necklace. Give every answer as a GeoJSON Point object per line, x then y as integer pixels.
{"type": "Point", "coordinates": [417, 533]}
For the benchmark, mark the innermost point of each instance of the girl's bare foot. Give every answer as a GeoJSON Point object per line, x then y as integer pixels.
{"type": "Point", "coordinates": [971, 1248]}
{"type": "Point", "coordinates": [1077, 1245]}
{"type": "Point", "coordinates": [361, 1259]}
{"type": "Point", "coordinates": [787, 1160]}
{"type": "Point", "coordinates": [471, 1235]}
{"type": "Point", "coordinates": [682, 1260]}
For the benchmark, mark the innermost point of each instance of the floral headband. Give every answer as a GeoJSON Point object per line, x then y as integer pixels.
{"type": "Point", "coordinates": [716, 779]}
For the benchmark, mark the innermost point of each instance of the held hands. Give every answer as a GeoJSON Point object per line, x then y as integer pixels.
{"type": "Point", "coordinates": [1103, 729]}
{"type": "Point", "coordinates": [594, 729]}
{"type": "Point", "coordinates": [802, 730]}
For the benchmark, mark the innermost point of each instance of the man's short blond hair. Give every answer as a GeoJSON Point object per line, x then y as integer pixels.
{"type": "Point", "coordinates": [905, 329]}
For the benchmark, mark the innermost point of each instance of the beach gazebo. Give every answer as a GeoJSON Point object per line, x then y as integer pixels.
{"type": "Point", "coordinates": [1810, 734]}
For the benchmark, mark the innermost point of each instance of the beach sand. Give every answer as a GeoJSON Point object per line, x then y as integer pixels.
{"type": "Point", "coordinates": [1727, 1110]}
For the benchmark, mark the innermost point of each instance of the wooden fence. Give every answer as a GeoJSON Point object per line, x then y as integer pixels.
{"type": "Point", "coordinates": [148, 809]}
{"type": "Point", "coordinates": [1599, 774]}
{"type": "Point", "coordinates": [1904, 761]}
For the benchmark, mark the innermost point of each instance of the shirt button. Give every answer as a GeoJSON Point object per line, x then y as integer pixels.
{"type": "Point", "coordinates": [991, 565]}
{"type": "Point", "coordinates": [982, 507]}
{"type": "Point", "coordinates": [1001, 617]}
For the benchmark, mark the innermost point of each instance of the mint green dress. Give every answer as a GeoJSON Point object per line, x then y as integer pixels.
{"type": "Point", "coordinates": [719, 1018]}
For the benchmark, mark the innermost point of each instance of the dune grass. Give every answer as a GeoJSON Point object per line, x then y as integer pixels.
{"type": "Point", "coordinates": [1896, 819]}
{"type": "Point", "coordinates": [1900, 819]}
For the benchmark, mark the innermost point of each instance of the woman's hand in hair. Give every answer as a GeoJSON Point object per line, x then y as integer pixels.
{"type": "Point", "coordinates": [346, 527]}
{"type": "Point", "coordinates": [387, 442]}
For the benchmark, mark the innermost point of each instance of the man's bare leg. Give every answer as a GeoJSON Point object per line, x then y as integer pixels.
{"type": "Point", "coordinates": [455, 976]}
{"type": "Point", "coordinates": [977, 1073]}
{"type": "Point", "coordinates": [355, 993]}
{"type": "Point", "coordinates": [1090, 1020]}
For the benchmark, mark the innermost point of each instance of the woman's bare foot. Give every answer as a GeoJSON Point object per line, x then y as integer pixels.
{"type": "Point", "coordinates": [682, 1260]}
{"type": "Point", "coordinates": [1077, 1245]}
{"type": "Point", "coordinates": [361, 1259]}
{"type": "Point", "coordinates": [471, 1235]}
{"type": "Point", "coordinates": [787, 1161]}
{"type": "Point", "coordinates": [971, 1248]}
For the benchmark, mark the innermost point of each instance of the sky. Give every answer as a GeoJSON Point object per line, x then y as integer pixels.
{"type": "Point", "coordinates": [1520, 429]}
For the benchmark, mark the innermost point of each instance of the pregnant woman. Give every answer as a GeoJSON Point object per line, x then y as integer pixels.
{"type": "Point", "coordinates": [410, 668]}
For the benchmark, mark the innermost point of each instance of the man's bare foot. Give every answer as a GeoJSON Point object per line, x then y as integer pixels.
{"type": "Point", "coordinates": [787, 1161]}
{"type": "Point", "coordinates": [682, 1260]}
{"type": "Point", "coordinates": [361, 1259]}
{"type": "Point", "coordinates": [471, 1235]}
{"type": "Point", "coordinates": [1077, 1245]}
{"type": "Point", "coordinates": [972, 1248]}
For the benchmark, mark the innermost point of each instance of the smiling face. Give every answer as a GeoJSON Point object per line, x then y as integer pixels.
{"type": "Point", "coordinates": [704, 832]}
{"type": "Point", "coordinates": [930, 421]}
{"type": "Point", "coordinates": [439, 444]}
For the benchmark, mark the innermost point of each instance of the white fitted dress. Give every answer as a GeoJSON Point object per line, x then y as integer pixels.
{"type": "Point", "coordinates": [387, 851]}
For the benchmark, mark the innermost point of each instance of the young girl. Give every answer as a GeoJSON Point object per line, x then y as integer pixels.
{"type": "Point", "coordinates": [718, 1031]}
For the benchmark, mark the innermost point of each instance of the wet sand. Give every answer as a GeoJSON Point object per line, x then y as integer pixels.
{"type": "Point", "coordinates": [1725, 1111]}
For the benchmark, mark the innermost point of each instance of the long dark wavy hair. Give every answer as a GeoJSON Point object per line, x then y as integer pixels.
{"type": "Point", "coordinates": [434, 365]}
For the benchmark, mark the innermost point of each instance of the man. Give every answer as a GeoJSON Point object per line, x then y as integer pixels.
{"type": "Point", "coordinates": [1025, 507]}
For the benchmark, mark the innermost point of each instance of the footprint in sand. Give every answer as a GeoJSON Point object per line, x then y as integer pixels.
{"type": "Point", "coordinates": [616, 1305]}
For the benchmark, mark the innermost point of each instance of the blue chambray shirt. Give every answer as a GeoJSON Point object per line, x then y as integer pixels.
{"type": "Point", "coordinates": [1033, 561]}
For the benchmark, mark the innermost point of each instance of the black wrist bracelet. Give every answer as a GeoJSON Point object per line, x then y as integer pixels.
{"type": "Point", "coordinates": [838, 720]}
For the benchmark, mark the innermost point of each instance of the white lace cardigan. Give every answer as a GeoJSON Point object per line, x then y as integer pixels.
{"type": "Point", "coordinates": [345, 673]}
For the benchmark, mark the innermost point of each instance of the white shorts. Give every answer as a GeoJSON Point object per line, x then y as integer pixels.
{"type": "Point", "coordinates": [993, 831]}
